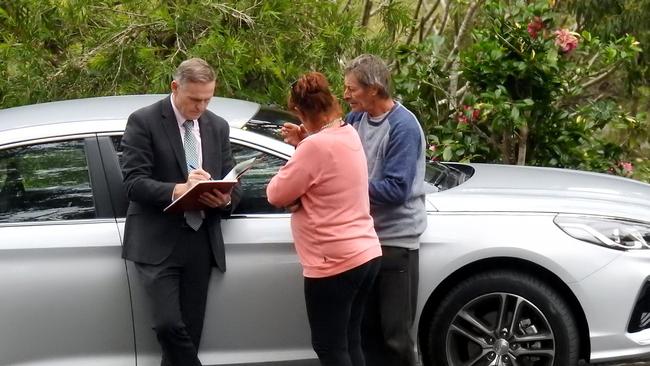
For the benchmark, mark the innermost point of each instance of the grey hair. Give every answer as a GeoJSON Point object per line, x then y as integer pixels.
{"type": "Point", "coordinates": [371, 71]}
{"type": "Point", "coordinates": [194, 70]}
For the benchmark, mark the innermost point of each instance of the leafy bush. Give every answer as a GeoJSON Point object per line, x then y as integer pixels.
{"type": "Point", "coordinates": [485, 77]}
{"type": "Point", "coordinates": [532, 93]}
{"type": "Point", "coordinates": [53, 50]}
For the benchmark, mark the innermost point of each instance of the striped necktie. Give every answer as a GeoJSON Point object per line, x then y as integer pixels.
{"type": "Point", "coordinates": [190, 145]}
{"type": "Point", "coordinates": [194, 219]}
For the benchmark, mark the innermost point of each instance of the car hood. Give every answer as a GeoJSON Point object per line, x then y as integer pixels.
{"type": "Point", "coordinates": [507, 188]}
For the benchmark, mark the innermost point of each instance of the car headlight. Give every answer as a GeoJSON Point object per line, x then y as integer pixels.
{"type": "Point", "coordinates": [609, 232]}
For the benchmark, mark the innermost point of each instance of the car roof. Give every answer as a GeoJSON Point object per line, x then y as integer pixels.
{"type": "Point", "coordinates": [236, 112]}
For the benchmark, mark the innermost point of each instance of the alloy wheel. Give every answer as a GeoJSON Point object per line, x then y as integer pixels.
{"type": "Point", "coordinates": [500, 329]}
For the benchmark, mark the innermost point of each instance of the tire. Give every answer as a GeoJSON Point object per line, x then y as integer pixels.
{"type": "Point", "coordinates": [464, 329]}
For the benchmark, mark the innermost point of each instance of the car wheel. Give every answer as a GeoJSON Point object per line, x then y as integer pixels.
{"type": "Point", "coordinates": [503, 318]}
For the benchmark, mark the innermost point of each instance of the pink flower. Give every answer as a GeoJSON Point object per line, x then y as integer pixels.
{"type": "Point", "coordinates": [476, 114]}
{"type": "Point", "coordinates": [565, 40]}
{"type": "Point", "coordinates": [627, 166]}
{"type": "Point", "coordinates": [432, 147]}
{"type": "Point", "coordinates": [468, 115]}
{"type": "Point", "coordinates": [535, 26]}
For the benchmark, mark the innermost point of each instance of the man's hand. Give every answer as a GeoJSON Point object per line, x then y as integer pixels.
{"type": "Point", "coordinates": [193, 178]}
{"type": "Point", "coordinates": [215, 199]}
{"type": "Point", "coordinates": [293, 133]}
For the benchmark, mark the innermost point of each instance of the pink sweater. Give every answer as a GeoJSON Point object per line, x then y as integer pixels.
{"type": "Point", "coordinates": [333, 230]}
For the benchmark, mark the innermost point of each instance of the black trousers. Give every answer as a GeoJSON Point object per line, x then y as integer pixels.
{"type": "Point", "coordinates": [335, 307]}
{"type": "Point", "coordinates": [177, 289]}
{"type": "Point", "coordinates": [390, 311]}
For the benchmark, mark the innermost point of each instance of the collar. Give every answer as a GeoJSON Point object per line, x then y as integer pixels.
{"type": "Point", "coordinates": [381, 118]}
{"type": "Point", "coordinates": [179, 117]}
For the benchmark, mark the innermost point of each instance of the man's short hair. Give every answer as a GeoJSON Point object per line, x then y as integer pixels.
{"type": "Point", "coordinates": [369, 71]}
{"type": "Point", "coordinates": [194, 70]}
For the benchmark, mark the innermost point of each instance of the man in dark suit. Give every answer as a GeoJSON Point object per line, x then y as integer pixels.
{"type": "Point", "coordinates": [168, 147]}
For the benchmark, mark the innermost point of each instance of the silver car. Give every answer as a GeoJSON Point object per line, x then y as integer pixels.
{"type": "Point", "coordinates": [519, 265]}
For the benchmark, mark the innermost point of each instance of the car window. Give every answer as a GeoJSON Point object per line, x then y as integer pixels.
{"type": "Point", "coordinates": [45, 182]}
{"type": "Point", "coordinates": [443, 176]}
{"type": "Point", "coordinates": [253, 183]}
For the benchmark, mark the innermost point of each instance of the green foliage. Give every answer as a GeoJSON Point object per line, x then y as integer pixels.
{"type": "Point", "coordinates": [528, 101]}
{"type": "Point", "coordinates": [62, 49]}
{"type": "Point", "coordinates": [612, 19]}
{"type": "Point", "coordinates": [482, 86]}
{"type": "Point", "coordinates": [609, 20]}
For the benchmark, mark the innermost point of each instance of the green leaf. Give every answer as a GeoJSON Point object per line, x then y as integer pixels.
{"type": "Point", "coordinates": [447, 153]}
{"type": "Point", "coordinates": [514, 113]}
{"type": "Point", "coordinates": [551, 57]}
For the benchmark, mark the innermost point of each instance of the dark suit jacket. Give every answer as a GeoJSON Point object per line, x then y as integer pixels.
{"type": "Point", "coordinates": [153, 163]}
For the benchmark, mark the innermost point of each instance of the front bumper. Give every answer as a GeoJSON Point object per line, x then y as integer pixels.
{"type": "Point", "coordinates": [616, 302]}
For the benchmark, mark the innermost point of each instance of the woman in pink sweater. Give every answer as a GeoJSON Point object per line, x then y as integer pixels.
{"type": "Point", "coordinates": [325, 183]}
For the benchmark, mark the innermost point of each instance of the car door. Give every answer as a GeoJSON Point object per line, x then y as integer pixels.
{"type": "Point", "coordinates": [256, 311]}
{"type": "Point", "coordinates": [65, 297]}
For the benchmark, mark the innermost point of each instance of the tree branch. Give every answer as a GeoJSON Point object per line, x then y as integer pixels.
{"type": "Point", "coordinates": [464, 27]}
{"type": "Point", "coordinates": [239, 15]}
{"type": "Point", "coordinates": [423, 21]}
{"type": "Point", "coordinates": [415, 22]}
{"type": "Point", "coordinates": [117, 39]}
{"type": "Point", "coordinates": [600, 77]}
{"type": "Point", "coordinates": [453, 83]}
{"type": "Point", "coordinates": [445, 17]}
{"type": "Point", "coordinates": [347, 6]}
{"type": "Point", "coordinates": [379, 7]}
{"type": "Point", "coordinates": [523, 145]}
{"type": "Point", "coordinates": [506, 148]}
{"type": "Point", "coordinates": [367, 7]}
{"type": "Point", "coordinates": [460, 92]}
{"type": "Point", "coordinates": [452, 59]}
{"type": "Point", "coordinates": [430, 30]}
{"type": "Point", "coordinates": [486, 137]}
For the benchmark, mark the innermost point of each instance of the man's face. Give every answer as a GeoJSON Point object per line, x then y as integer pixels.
{"type": "Point", "coordinates": [359, 98]}
{"type": "Point", "coordinates": [192, 99]}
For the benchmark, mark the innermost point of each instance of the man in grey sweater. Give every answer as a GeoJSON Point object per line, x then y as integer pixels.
{"type": "Point", "coordinates": [394, 145]}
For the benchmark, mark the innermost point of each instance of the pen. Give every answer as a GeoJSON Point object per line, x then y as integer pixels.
{"type": "Point", "coordinates": [193, 168]}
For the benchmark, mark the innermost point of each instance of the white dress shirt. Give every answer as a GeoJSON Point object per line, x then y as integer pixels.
{"type": "Point", "coordinates": [180, 119]}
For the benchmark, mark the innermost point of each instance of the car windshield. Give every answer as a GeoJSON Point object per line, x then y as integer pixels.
{"type": "Point", "coordinates": [438, 176]}
{"type": "Point", "coordinates": [268, 122]}
{"type": "Point", "coordinates": [444, 176]}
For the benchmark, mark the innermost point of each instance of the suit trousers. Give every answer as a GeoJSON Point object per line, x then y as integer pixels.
{"type": "Point", "coordinates": [177, 289]}
{"type": "Point", "coordinates": [390, 310]}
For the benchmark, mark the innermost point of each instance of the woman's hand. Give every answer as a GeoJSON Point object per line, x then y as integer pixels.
{"type": "Point", "coordinates": [293, 133]}
{"type": "Point", "coordinates": [295, 206]}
